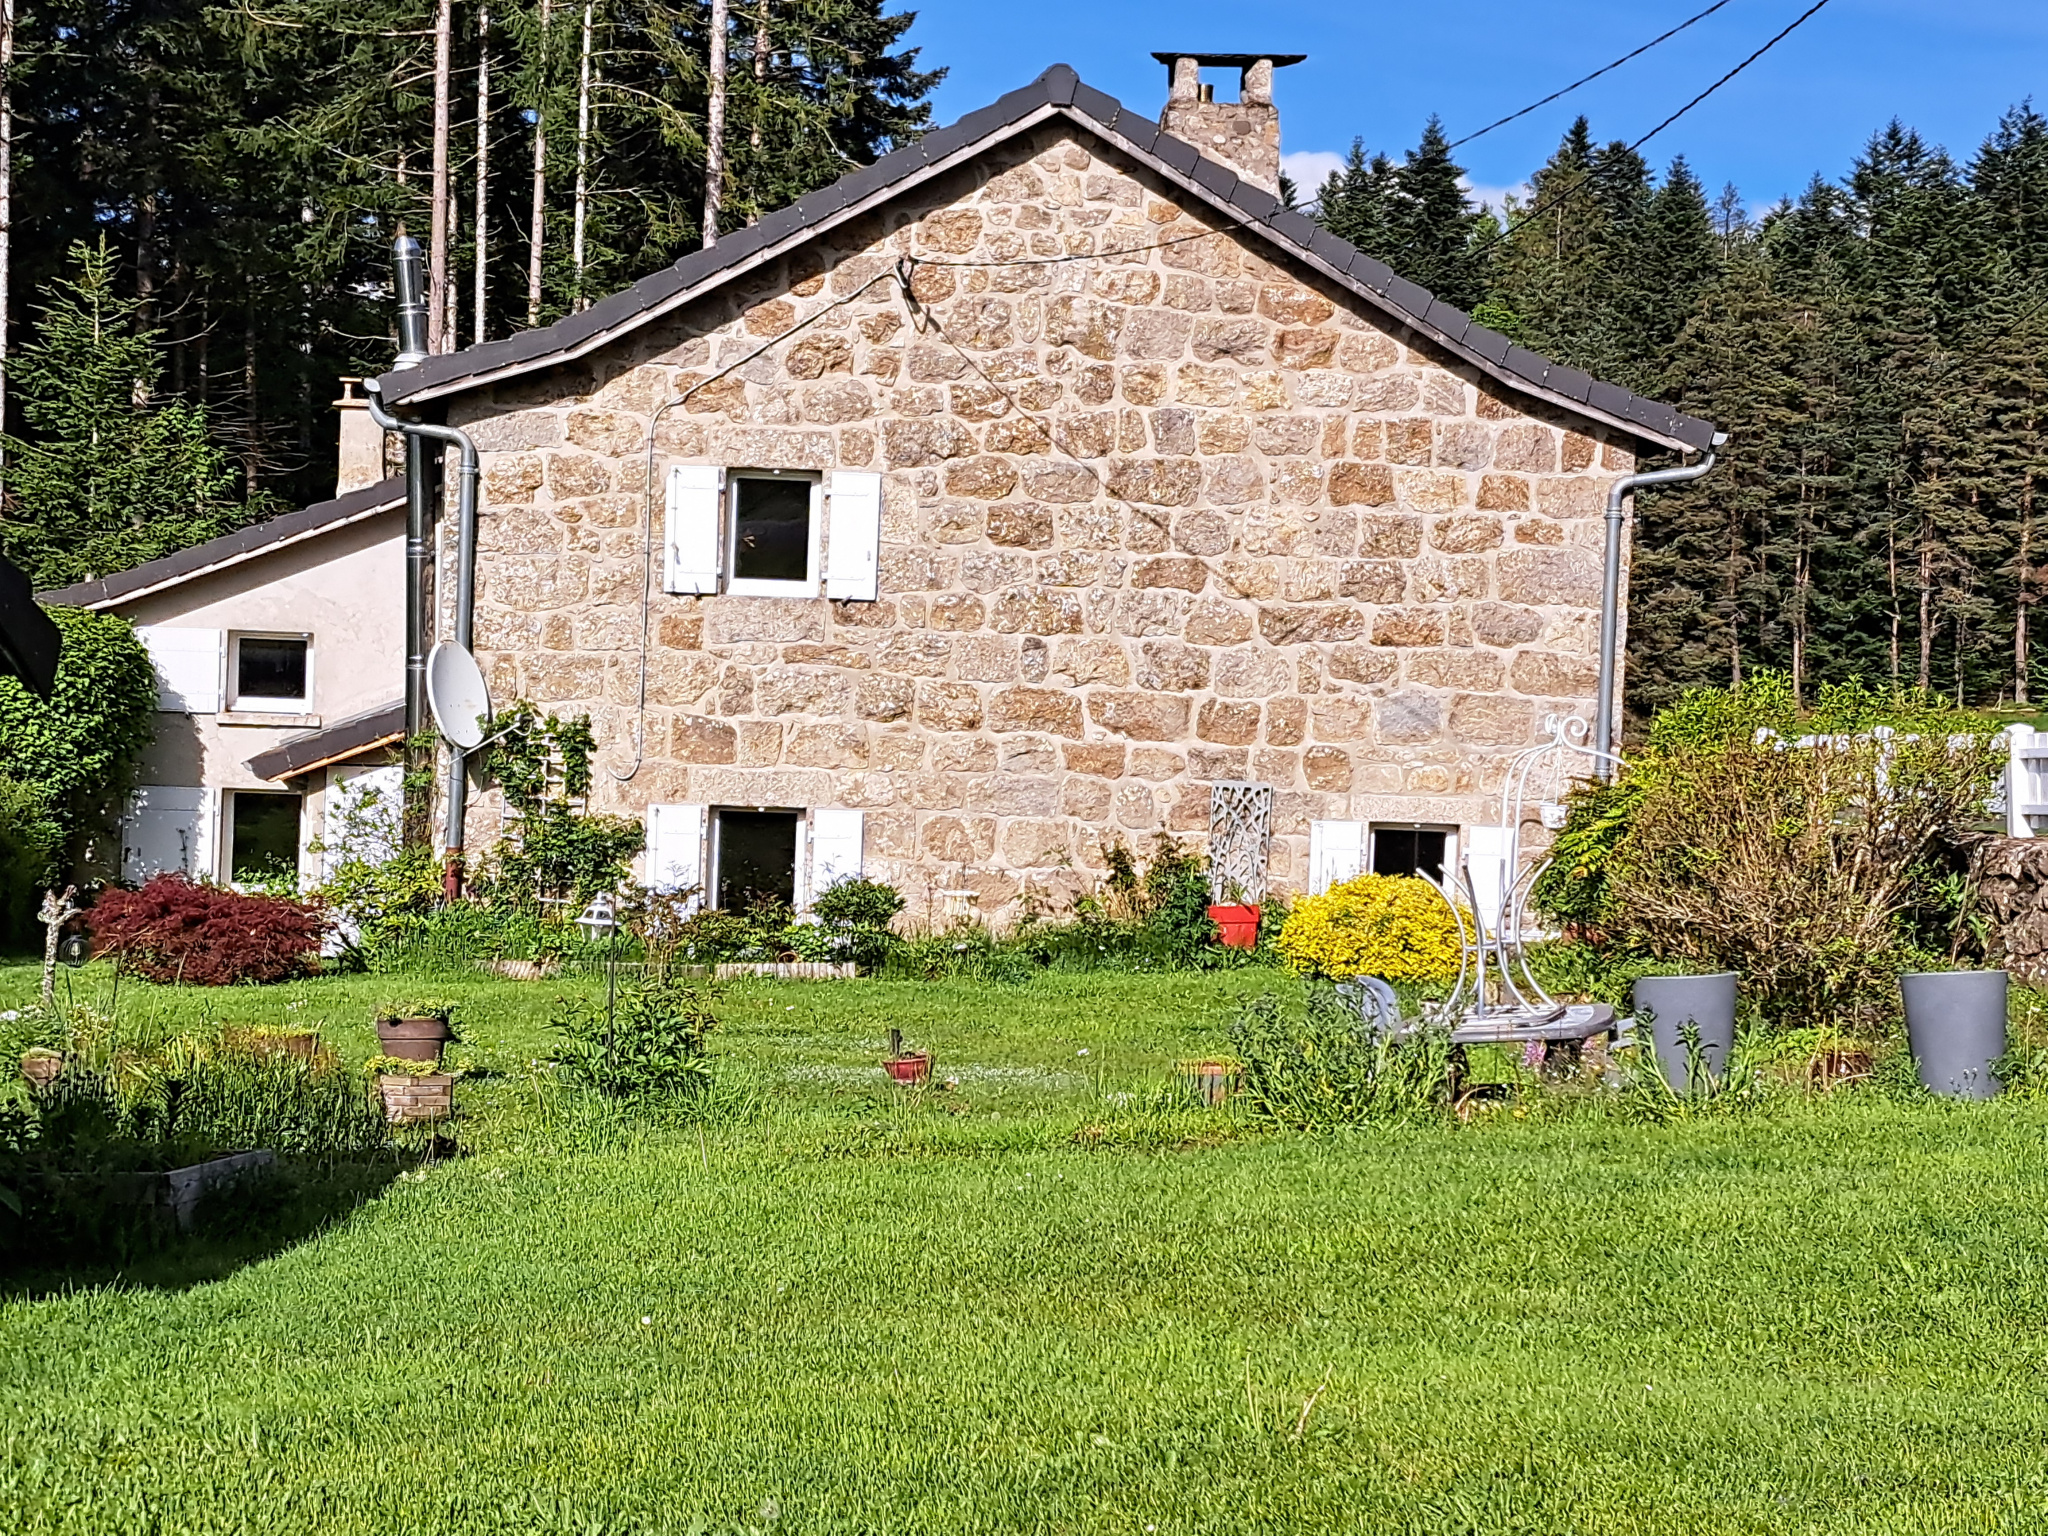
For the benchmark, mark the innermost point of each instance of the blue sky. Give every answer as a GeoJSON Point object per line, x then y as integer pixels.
{"type": "Point", "coordinates": [1378, 68]}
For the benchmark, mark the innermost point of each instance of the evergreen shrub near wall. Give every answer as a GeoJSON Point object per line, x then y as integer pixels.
{"type": "Point", "coordinates": [1818, 872]}
{"type": "Point", "coordinates": [78, 749]}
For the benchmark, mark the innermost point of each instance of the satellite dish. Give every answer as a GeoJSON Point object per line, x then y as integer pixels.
{"type": "Point", "coordinates": [457, 695]}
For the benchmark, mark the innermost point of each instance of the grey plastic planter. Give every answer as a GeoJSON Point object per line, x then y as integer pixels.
{"type": "Point", "coordinates": [1677, 1005]}
{"type": "Point", "coordinates": [1955, 1022]}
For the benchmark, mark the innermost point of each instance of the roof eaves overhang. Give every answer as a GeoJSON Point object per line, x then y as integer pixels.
{"type": "Point", "coordinates": [1059, 93]}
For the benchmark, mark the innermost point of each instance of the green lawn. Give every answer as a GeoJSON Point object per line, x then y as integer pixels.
{"type": "Point", "coordinates": [1033, 1303]}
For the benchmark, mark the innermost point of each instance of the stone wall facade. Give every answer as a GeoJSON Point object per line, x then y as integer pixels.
{"type": "Point", "coordinates": [1171, 512]}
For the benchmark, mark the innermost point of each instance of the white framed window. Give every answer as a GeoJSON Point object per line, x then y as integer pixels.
{"type": "Point", "coordinates": [1412, 848]}
{"type": "Point", "coordinates": [270, 673]}
{"type": "Point", "coordinates": [772, 525]}
{"type": "Point", "coordinates": [263, 836]}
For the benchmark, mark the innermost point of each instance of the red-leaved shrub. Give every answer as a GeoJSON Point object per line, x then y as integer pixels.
{"type": "Point", "coordinates": [207, 935]}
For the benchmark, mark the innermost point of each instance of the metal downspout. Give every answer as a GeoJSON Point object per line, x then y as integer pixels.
{"type": "Point", "coordinates": [1610, 594]}
{"type": "Point", "coordinates": [412, 351]}
{"type": "Point", "coordinates": [417, 434]}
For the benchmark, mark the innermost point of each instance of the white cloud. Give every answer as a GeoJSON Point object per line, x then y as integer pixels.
{"type": "Point", "coordinates": [1308, 169]}
{"type": "Point", "coordinates": [1495, 197]}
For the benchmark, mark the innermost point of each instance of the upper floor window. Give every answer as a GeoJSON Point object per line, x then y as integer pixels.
{"type": "Point", "coordinates": [773, 531]}
{"type": "Point", "coordinates": [272, 672]}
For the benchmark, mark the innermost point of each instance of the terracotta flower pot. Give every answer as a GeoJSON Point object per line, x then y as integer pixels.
{"type": "Point", "coordinates": [915, 1067]}
{"type": "Point", "coordinates": [1236, 927]}
{"type": "Point", "coordinates": [1211, 1081]}
{"type": "Point", "coordinates": [413, 1039]}
{"type": "Point", "coordinates": [408, 1099]}
{"type": "Point", "coordinates": [42, 1068]}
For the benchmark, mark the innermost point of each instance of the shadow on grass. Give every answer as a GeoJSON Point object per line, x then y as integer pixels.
{"type": "Point", "coordinates": [88, 1244]}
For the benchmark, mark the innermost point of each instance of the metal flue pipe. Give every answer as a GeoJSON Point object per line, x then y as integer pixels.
{"type": "Point", "coordinates": [1610, 595]}
{"type": "Point", "coordinates": [412, 351]}
{"type": "Point", "coordinates": [412, 331]}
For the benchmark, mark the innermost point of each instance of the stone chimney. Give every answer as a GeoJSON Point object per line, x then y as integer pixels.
{"type": "Point", "coordinates": [1243, 134]}
{"type": "Point", "coordinates": [362, 442]}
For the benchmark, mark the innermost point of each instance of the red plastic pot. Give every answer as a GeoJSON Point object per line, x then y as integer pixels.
{"type": "Point", "coordinates": [1236, 927]}
{"type": "Point", "coordinates": [913, 1068]}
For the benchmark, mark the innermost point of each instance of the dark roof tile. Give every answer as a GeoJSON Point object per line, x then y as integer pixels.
{"type": "Point", "coordinates": [1611, 398]}
{"type": "Point", "coordinates": [1412, 297]}
{"type": "Point", "coordinates": [1372, 272]}
{"type": "Point", "coordinates": [1255, 202]}
{"type": "Point", "coordinates": [1447, 320]}
{"type": "Point", "coordinates": [1060, 84]}
{"type": "Point", "coordinates": [1178, 154]}
{"type": "Point", "coordinates": [1218, 178]}
{"type": "Point", "coordinates": [1490, 345]}
{"type": "Point", "coordinates": [1100, 105]}
{"type": "Point", "coordinates": [1572, 383]}
{"type": "Point", "coordinates": [1298, 227]}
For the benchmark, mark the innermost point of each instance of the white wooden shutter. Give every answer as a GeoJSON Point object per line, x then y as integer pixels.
{"type": "Point", "coordinates": [1490, 858]}
{"type": "Point", "coordinates": [691, 563]}
{"type": "Point", "coordinates": [853, 543]}
{"type": "Point", "coordinates": [675, 849]}
{"type": "Point", "coordinates": [837, 841]}
{"type": "Point", "coordinates": [169, 829]}
{"type": "Point", "coordinates": [1336, 853]}
{"type": "Point", "coordinates": [189, 664]}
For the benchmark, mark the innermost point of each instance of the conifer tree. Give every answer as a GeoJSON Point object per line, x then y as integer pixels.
{"type": "Point", "coordinates": [113, 474]}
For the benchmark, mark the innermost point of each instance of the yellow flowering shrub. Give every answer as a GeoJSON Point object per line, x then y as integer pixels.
{"type": "Point", "coordinates": [1395, 926]}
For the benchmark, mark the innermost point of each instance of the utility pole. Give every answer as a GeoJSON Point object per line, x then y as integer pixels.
{"type": "Point", "coordinates": [714, 127]}
{"type": "Point", "coordinates": [438, 339]}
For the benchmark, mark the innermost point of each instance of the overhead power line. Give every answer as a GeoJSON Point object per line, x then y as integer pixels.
{"type": "Point", "coordinates": [1589, 79]}
{"type": "Point", "coordinates": [1549, 203]}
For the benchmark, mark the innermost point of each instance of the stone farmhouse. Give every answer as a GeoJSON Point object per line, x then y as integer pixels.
{"type": "Point", "coordinates": [992, 504]}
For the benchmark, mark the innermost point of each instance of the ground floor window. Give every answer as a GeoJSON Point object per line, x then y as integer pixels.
{"type": "Point", "coordinates": [1410, 850]}
{"type": "Point", "coordinates": [263, 837]}
{"type": "Point", "coordinates": [754, 858]}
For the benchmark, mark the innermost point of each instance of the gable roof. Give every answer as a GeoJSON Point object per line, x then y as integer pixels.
{"type": "Point", "coordinates": [1058, 93]}
{"type": "Point", "coordinates": [233, 548]}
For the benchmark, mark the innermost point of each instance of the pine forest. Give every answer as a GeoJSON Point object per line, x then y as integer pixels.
{"type": "Point", "coordinates": [202, 203]}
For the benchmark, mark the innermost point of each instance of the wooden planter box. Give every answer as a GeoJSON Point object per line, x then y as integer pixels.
{"type": "Point", "coordinates": [408, 1099]}
{"type": "Point", "coordinates": [171, 1199]}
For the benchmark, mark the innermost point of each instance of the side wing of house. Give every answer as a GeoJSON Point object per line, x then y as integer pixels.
{"type": "Point", "coordinates": [272, 634]}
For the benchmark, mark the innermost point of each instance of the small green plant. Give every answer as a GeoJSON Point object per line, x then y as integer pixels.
{"type": "Point", "coordinates": [855, 915]}
{"type": "Point", "coordinates": [650, 1042]}
{"type": "Point", "coordinates": [439, 1008]}
{"type": "Point", "coordinates": [1323, 1068]}
{"type": "Point", "coordinates": [405, 1066]}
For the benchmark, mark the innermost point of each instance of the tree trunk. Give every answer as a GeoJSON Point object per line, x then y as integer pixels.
{"type": "Point", "coordinates": [2023, 582]}
{"type": "Point", "coordinates": [438, 339]}
{"type": "Point", "coordinates": [6, 189]}
{"type": "Point", "coordinates": [582, 160]}
{"type": "Point", "coordinates": [714, 127]}
{"type": "Point", "coordinates": [538, 235]}
{"type": "Point", "coordinates": [1891, 561]}
{"type": "Point", "coordinates": [1926, 606]}
{"type": "Point", "coordinates": [483, 168]}
{"type": "Point", "coordinates": [249, 394]}
{"type": "Point", "coordinates": [760, 95]}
